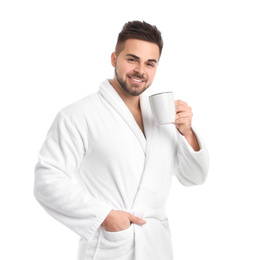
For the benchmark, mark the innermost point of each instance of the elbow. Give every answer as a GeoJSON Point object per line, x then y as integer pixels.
{"type": "Point", "coordinates": [41, 185]}
{"type": "Point", "coordinates": [203, 172]}
{"type": "Point", "coordinates": [201, 180]}
{"type": "Point", "coordinates": [200, 175]}
{"type": "Point", "coordinates": [36, 191]}
{"type": "Point", "coordinates": [193, 177]}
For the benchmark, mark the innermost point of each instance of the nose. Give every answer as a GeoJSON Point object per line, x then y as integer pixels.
{"type": "Point", "coordinates": [140, 69]}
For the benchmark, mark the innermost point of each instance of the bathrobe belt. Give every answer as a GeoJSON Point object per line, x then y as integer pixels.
{"type": "Point", "coordinates": [147, 213]}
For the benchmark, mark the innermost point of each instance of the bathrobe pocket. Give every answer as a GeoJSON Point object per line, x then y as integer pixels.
{"type": "Point", "coordinates": [118, 237]}
{"type": "Point", "coordinates": [114, 245]}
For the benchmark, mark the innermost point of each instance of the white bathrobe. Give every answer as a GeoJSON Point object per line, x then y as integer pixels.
{"type": "Point", "coordinates": [95, 159]}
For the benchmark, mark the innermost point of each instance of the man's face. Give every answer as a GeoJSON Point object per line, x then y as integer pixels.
{"type": "Point", "coordinates": [136, 66]}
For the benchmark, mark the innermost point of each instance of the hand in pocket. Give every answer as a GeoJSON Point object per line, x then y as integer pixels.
{"type": "Point", "coordinates": [118, 220]}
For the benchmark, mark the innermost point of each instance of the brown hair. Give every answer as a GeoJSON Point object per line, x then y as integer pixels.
{"type": "Point", "coordinates": [140, 31]}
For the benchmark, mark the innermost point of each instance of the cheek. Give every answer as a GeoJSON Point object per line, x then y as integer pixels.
{"type": "Point", "coordinates": [124, 69]}
{"type": "Point", "coordinates": [151, 75]}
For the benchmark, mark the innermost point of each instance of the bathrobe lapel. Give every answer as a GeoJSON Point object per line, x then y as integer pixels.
{"type": "Point", "coordinates": [113, 98]}
{"type": "Point", "coordinates": [147, 144]}
{"type": "Point", "coordinates": [149, 128]}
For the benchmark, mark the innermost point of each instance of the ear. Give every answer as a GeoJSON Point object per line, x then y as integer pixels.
{"type": "Point", "coordinates": [113, 59]}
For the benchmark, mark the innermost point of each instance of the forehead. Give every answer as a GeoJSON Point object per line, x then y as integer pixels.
{"type": "Point", "coordinates": [142, 49]}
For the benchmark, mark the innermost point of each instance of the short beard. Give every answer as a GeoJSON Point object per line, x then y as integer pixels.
{"type": "Point", "coordinates": [124, 86]}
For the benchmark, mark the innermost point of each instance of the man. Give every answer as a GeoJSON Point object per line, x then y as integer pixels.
{"type": "Point", "coordinates": [105, 167]}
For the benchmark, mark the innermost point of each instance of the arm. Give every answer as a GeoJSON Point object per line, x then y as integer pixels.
{"type": "Point", "coordinates": [55, 184]}
{"type": "Point", "coordinates": [183, 121]}
{"type": "Point", "coordinates": [192, 155]}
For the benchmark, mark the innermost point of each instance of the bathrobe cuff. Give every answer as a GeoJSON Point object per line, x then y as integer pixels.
{"type": "Point", "coordinates": [192, 166]}
{"type": "Point", "coordinates": [102, 213]}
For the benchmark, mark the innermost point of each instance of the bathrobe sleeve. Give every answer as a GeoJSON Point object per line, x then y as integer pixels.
{"type": "Point", "coordinates": [192, 166]}
{"type": "Point", "coordinates": [56, 187]}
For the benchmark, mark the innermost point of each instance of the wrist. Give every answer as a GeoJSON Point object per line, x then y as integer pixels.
{"type": "Point", "coordinates": [188, 134]}
{"type": "Point", "coordinates": [104, 222]}
{"type": "Point", "coordinates": [192, 140]}
{"type": "Point", "coordinates": [185, 132]}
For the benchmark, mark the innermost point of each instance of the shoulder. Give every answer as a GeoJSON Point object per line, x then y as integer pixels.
{"type": "Point", "coordinates": [80, 108]}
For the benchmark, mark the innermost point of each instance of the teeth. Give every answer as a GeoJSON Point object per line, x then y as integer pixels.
{"type": "Point", "coordinates": [137, 80]}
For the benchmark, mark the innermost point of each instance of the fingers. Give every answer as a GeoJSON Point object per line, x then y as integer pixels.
{"type": "Point", "coordinates": [136, 220]}
{"type": "Point", "coordinates": [183, 112]}
{"type": "Point", "coordinates": [186, 114]}
{"type": "Point", "coordinates": [183, 117]}
{"type": "Point", "coordinates": [181, 106]}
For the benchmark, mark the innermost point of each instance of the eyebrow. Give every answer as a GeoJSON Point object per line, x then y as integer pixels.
{"type": "Point", "coordinates": [136, 57]}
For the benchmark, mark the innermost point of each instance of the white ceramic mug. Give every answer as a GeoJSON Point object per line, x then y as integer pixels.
{"type": "Point", "coordinates": [163, 107]}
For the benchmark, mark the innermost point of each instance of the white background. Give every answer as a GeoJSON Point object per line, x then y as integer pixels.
{"type": "Point", "coordinates": [53, 53]}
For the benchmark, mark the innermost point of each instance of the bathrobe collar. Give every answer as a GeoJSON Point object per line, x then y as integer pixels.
{"type": "Point", "coordinates": [113, 98]}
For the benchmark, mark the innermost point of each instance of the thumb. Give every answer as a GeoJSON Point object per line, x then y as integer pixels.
{"type": "Point", "coordinates": [136, 220]}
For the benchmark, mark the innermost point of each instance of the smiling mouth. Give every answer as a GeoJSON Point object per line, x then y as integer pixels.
{"type": "Point", "coordinates": [136, 79]}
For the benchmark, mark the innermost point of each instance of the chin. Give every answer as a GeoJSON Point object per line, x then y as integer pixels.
{"type": "Point", "coordinates": [136, 92]}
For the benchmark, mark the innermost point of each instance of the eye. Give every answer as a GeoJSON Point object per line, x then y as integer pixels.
{"type": "Point", "coordinates": [131, 60]}
{"type": "Point", "coordinates": [150, 65]}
